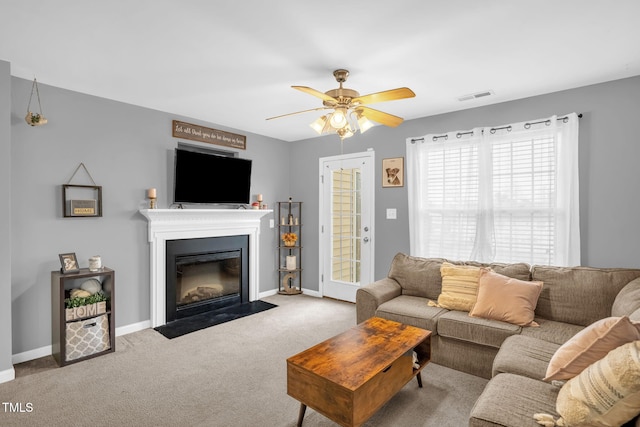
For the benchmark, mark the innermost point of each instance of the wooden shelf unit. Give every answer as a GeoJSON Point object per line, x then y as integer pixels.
{"type": "Point", "coordinates": [61, 285]}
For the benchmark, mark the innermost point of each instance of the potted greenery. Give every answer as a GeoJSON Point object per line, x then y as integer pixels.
{"type": "Point", "coordinates": [78, 307]}
{"type": "Point", "coordinates": [35, 119]}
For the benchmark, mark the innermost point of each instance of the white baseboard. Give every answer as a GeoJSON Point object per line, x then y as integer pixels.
{"type": "Point", "coordinates": [316, 294]}
{"type": "Point", "coordinates": [267, 293]}
{"type": "Point", "coordinates": [134, 327]}
{"type": "Point", "coordinates": [8, 375]}
{"type": "Point", "coordinates": [37, 353]}
{"type": "Point", "coordinates": [31, 354]}
{"type": "Point", "coordinates": [48, 350]}
{"type": "Point", "coordinates": [304, 291]}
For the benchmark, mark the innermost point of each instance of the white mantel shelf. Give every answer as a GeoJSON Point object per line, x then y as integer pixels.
{"type": "Point", "coordinates": [174, 224]}
{"type": "Point", "coordinates": [214, 217]}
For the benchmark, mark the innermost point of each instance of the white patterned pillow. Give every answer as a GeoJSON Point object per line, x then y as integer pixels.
{"type": "Point", "coordinates": [605, 394]}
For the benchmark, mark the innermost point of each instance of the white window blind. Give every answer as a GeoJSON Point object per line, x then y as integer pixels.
{"type": "Point", "coordinates": [506, 194]}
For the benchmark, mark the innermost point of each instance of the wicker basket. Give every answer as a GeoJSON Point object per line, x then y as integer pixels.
{"type": "Point", "coordinates": [87, 337]}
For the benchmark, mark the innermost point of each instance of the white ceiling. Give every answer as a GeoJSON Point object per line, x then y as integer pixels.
{"type": "Point", "coordinates": [232, 63]}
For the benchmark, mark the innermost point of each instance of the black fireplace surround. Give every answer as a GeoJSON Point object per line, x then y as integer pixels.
{"type": "Point", "coordinates": [206, 274]}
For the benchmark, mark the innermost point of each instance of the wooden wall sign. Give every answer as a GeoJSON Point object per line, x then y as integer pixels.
{"type": "Point", "coordinates": [211, 136]}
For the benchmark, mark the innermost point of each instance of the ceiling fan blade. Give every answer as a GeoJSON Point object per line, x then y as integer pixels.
{"type": "Point", "coordinates": [387, 95]}
{"type": "Point", "coordinates": [297, 112]}
{"type": "Point", "coordinates": [380, 117]}
{"type": "Point", "coordinates": [316, 93]}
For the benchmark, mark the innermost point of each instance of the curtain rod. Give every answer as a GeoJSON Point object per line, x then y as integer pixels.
{"type": "Point", "coordinates": [493, 130]}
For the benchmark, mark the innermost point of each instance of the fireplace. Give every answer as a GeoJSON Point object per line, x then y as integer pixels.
{"type": "Point", "coordinates": [206, 274]}
{"type": "Point", "coordinates": [175, 224]}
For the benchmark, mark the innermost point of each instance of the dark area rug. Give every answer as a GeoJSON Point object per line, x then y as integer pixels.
{"type": "Point", "coordinates": [180, 327]}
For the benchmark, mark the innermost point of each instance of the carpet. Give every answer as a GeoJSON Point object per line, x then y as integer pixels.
{"type": "Point", "coordinates": [232, 375]}
{"type": "Point", "coordinates": [181, 327]}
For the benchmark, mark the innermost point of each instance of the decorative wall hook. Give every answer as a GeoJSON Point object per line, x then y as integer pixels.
{"type": "Point", "coordinates": [35, 119]}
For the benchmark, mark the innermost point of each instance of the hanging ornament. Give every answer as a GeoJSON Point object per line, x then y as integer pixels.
{"type": "Point", "coordinates": [35, 119]}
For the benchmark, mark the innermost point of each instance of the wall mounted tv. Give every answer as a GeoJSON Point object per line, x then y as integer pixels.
{"type": "Point", "coordinates": [202, 178]}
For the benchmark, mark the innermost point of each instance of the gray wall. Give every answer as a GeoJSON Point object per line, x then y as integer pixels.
{"type": "Point", "coordinates": [5, 217]}
{"type": "Point", "coordinates": [609, 177]}
{"type": "Point", "coordinates": [126, 149]}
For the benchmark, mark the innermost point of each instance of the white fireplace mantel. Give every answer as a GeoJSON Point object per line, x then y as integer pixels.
{"type": "Point", "coordinates": [174, 224]}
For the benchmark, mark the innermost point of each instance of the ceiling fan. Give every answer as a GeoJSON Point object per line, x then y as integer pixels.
{"type": "Point", "coordinates": [349, 108]}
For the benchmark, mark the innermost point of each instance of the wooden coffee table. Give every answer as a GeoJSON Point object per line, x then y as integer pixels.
{"type": "Point", "coordinates": [347, 378]}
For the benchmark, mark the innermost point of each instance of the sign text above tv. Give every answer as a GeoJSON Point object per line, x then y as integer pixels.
{"type": "Point", "coordinates": [211, 136]}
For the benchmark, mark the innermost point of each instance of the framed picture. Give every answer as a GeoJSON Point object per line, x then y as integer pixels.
{"type": "Point", "coordinates": [393, 172]}
{"type": "Point", "coordinates": [81, 200]}
{"type": "Point", "coordinates": [69, 263]}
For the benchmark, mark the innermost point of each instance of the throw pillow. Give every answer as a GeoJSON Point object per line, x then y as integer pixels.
{"type": "Point", "coordinates": [590, 345]}
{"type": "Point", "coordinates": [628, 299]}
{"type": "Point", "coordinates": [607, 393]}
{"type": "Point", "coordinates": [506, 299]}
{"type": "Point", "coordinates": [459, 286]}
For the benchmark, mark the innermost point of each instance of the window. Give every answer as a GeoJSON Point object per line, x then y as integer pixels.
{"type": "Point", "coordinates": [506, 194]}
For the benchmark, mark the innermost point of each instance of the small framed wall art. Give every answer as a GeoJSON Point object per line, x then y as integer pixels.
{"type": "Point", "coordinates": [81, 200]}
{"type": "Point", "coordinates": [393, 172]}
{"type": "Point", "coordinates": [69, 263]}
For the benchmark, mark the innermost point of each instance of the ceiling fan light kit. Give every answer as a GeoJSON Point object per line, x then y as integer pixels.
{"type": "Point", "coordinates": [363, 123]}
{"type": "Point", "coordinates": [319, 124]}
{"type": "Point", "coordinates": [349, 111]}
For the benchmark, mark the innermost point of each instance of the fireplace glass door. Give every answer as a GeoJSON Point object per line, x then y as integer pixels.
{"type": "Point", "coordinates": [203, 278]}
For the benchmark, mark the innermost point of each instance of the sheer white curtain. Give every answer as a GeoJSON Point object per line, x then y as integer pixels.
{"type": "Point", "coordinates": [503, 194]}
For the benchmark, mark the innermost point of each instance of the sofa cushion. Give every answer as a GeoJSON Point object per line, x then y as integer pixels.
{"type": "Point", "coordinates": [464, 356]}
{"type": "Point", "coordinates": [412, 311]}
{"type": "Point", "coordinates": [552, 331]}
{"type": "Point", "coordinates": [506, 299]}
{"type": "Point", "coordinates": [458, 325]}
{"type": "Point", "coordinates": [590, 345]}
{"type": "Point", "coordinates": [518, 270]}
{"type": "Point", "coordinates": [579, 295]}
{"type": "Point", "coordinates": [607, 393]}
{"type": "Point", "coordinates": [417, 276]}
{"type": "Point", "coordinates": [459, 286]}
{"type": "Point", "coordinates": [526, 356]}
{"type": "Point", "coordinates": [628, 299]}
{"type": "Point", "coordinates": [511, 400]}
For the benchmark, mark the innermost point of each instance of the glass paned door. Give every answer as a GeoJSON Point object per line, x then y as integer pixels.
{"type": "Point", "coordinates": [346, 232]}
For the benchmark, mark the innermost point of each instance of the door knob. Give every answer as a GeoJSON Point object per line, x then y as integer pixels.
{"type": "Point", "coordinates": [366, 239]}
{"type": "Point", "coordinates": [366, 229]}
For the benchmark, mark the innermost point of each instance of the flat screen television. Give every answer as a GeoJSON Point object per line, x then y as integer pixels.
{"type": "Point", "coordinates": [202, 178]}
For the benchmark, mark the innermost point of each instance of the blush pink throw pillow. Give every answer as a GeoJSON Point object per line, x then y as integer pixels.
{"type": "Point", "coordinates": [590, 345]}
{"type": "Point", "coordinates": [506, 299]}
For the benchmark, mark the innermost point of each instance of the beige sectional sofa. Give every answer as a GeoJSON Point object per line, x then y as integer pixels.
{"type": "Point", "coordinates": [514, 357]}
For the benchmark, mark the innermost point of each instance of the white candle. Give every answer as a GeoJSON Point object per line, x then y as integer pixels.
{"type": "Point", "coordinates": [259, 197]}
{"type": "Point", "coordinates": [151, 193]}
{"type": "Point", "coordinates": [291, 262]}
{"type": "Point", "coordinates": [95, 263]}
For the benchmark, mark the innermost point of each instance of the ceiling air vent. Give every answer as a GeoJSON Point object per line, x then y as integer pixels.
{"type": "Point", "coordinates": [475, 95]}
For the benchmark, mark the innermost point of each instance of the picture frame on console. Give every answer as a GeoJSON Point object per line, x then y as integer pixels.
{"type": "Point", "coordinates": [69, 263]}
